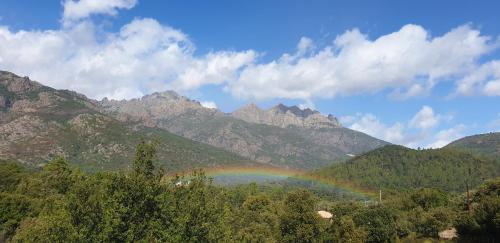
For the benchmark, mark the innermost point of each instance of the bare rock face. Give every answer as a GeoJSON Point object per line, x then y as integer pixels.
{"type": "Point", "coordinates": [285, 116]}
{"type": "Point", "coordinates": [4, 102]}
{"type": "Point", "coordinates": [24, 127]}
{"type": "Point", "coordinates": [157, 106]}
{"type": "Point", "coordinates": [17, 84]}
{"type": "Point", "coordinates": [44, 100]}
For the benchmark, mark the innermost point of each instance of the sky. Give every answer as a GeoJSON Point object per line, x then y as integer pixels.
{"type": "Point", "coordinates": [419, 74]}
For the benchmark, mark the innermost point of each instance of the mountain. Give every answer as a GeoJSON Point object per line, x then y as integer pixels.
{"type": "Point", "coordinates": [400, 168]}
{"type": "Point", "coordinates": [487, 144]}
{"type": "Point", "coordinates": [39, 123]}
{"type": "Point", "coordinates": [285, 116]}
{"type": "Point", "coordinates": [282, 136]}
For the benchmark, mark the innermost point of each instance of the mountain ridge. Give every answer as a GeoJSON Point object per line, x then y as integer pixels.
{"type": "Point", "coordinates": [285, 116]}
{"type": "Point", "coordinates": [39, 123]}
{"type": "Point", "coordinates": [282, 136]}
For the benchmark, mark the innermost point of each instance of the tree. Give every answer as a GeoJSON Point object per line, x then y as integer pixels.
{"type": "Point", "coordinates": [257, 220]}
{"type": "Point", "coordinates": [379, 221]}
{"type": "Point", "coordinates": [54, 227]}
{"type": "Point", "coordinates": [344, 230]}
{"type": "Point", "coordinates": [428, 198]}
{"type": "Point", "coordinates": [144, 156]}
{"type": "Point", "coordinates": [13, 209]}
{"type": "Point", "coordinates": [484, 222]}
{"type": "Point", "coordinates": [57, 175]}
{"type": "Point", "coordinates": [10, 175]}
{"type": "Point", "coordinates": [300, 222]}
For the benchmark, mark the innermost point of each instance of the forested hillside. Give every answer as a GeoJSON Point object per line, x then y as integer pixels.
{"type": "Point", "coordinates": [61, 204]}
{"type": "Point", "coordinates": [487, 144]}
{"type": "Point", "coordinates": [397, 167]}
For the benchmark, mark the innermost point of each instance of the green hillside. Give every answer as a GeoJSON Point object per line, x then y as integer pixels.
{"type": "Point", "coordinates": [487, 144]}
{"type": "Point", "coordinates": [400, 168]}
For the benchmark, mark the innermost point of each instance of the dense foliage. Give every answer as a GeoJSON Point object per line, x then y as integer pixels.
{"type": "Point", "coordinates": [400, 168]}
{"type": "Point", "coordinates": [61, 204]}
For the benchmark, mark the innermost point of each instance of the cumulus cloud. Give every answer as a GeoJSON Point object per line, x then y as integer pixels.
{"type": "Point", "coordinates": [76, 10]}
{"type": "Point", "coordinates": [483, 80]}
{"type": "Point", "coordinates": [209, 104]}
{"type": "Point", "coordinates": [419, 131]}
{"type": "Point", "coordinates": [371, 125]}
{"type": "Point", "coordinates": [424, 119]}
{"type": "Point", "coordinates": [409, 61]}
{"type": "Point", "coordinates": [144, 56]}
{"type": "Point", "coordinates": [444, 137]}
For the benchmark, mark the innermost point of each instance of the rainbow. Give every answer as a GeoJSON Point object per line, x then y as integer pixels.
{"type": "Point", "coordinates": [284, 173]}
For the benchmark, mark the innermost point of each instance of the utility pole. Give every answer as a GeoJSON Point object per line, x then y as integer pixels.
{"type": "Point", "coordinates": [380, 196]}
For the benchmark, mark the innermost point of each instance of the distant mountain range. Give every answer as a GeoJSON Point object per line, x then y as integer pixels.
{"type": "Point", "coordinates": [38, 123]}
{"type": "Point", "coordinates": [282, 136]}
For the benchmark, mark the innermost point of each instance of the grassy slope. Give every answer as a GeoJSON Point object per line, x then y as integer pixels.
{"type": "Point", "coordinates": [397, 167]}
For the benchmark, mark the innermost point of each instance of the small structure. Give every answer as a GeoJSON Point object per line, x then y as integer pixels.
{"type": "Point", "coordinates": [448, 234]}
{"type": "Point", "coordinates": [325, 214]}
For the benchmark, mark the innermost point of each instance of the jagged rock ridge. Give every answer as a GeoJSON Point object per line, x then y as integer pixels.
{"type": "Point", "coordinates": [285, 116]}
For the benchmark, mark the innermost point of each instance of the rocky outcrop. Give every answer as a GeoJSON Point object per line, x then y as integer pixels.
{"type": "Point", "coordinates": [4, 102]}
{"type": "Point", "coordinates": [157, 106]}
{"type": "Point", "coordinates": [286, 116]}
{"type": "Point", "coordinates": [17, 84]}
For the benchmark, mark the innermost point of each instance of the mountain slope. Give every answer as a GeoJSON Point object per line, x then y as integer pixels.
{"type": "Point", "coordinates": [282, 136]}
{"type": "Point", "coordinates": [400, 168]}
{"type": "Point", "coordinates": [38, 123]}
{"type": "Point", "coordinates": [487, 144]}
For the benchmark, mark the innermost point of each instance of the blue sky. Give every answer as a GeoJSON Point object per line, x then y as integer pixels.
{"type": "Point", "coordinates": [419, 74]}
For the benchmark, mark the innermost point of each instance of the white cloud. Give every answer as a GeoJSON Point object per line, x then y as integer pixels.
{"type": "Point", "coordinates": [80, 9]}
{"type": "Point", "coordinates": [419, 131]}
{"type": "Point", "coordinates": [425, 119]}
{"type": "Point", "coordinates": [209, 104]}
{"type": "Point", "coordinates": [143, 57]}
{"type": "Point", "coordinates": [483, 80]}
{"type": "Point", "coordinates": [214, 68]}
{"type": "Point", "coordinates": [409, 61]}
{"type": "Point", "coordinates": [444, 137]}
{"type": "Point", "coordinates": [305, 45]}
{"type": "Point", "coordinates": [371, 125]}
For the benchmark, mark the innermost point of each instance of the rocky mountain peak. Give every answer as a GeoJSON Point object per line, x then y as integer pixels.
{"type": "Point", "coordinates": [154, 107]}
{"type": "Point", "coordinates": [281, 108]}
{"type": "Point", "coordinates": [285, 116]}
{"type": "Point", "coordinates": [168, 95]}
{"type": "Point", "coordinates": [16, 84]}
